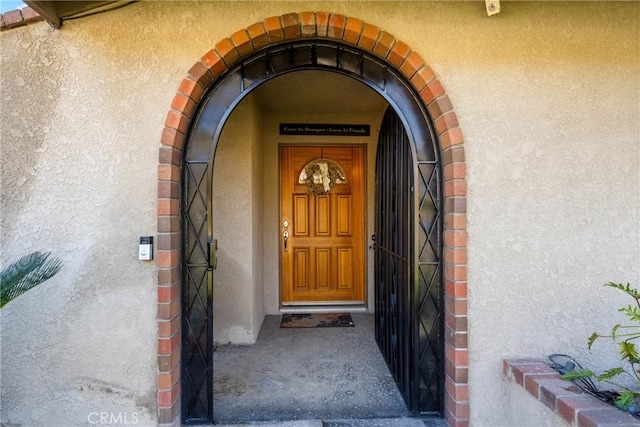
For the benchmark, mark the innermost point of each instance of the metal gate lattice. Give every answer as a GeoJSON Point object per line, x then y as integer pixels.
{"type": "Point", "coordinates": [408, 285]}
{"type": "Point", "coordinates": [429, 290]}
{"type": "Point", "coordinates": [197, 296]}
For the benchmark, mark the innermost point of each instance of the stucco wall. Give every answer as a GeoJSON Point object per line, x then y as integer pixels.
{"type": "Point", "coordinates": [78, 153]}
{"type": "Point", "coordinates": [237, 225]}
{"type": "Point", "coordinates": [547, 96]}
{"type": "Point", "coordinates": [552, 147]}
{"type": "Point", "coordinates": [257, 205]}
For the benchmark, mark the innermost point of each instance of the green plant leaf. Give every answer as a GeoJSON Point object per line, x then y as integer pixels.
{"type": "Point", "coordinates": [624, 336]}
{"type": "Point", "coordinates": [625, 399]}
{"type": "Point", "coordinates": [577, 374]}
{"type": "Point", "coordinates": [625, 288]}
{"type": "Point", "coordinates": [628, 350]}
{"type": "Point", "coordinates": [592, 339]}
{"type": "Point", "coordinates": [633, 313]}
{"type": "Point", "coordinates": [614, 330]}
{"type": "Point", "coordinates": [611, 373]}
{"type": "Point", "coordinates": [26, 273]}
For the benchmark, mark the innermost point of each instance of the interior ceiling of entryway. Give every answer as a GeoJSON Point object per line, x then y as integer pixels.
{"type": "Point", "coordinates": [315, 91]}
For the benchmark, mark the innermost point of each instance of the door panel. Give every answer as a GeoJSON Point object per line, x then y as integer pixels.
{"type": "Point", "coordinates": [344, 216]}
{"type": "Point", "coordinates": [323, 268]}
{"type": "Point", "coordinates": [301, 215]}
{"type": "Point", "coordinates": [323, 216]}
{"type": "Point", "coordinates": [301, 269]}
{"type": "Point", "coordinates": [345, 268]}
{"type": "Point", "coordinates": [323, 258]}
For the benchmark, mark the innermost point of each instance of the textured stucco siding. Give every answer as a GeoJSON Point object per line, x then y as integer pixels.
{"type": "Point", "coordinates": [237, 225]}
{"type": "Point", "coordinates": [552, 147]}
{"type": "Point", "coordinates": [547, 95]}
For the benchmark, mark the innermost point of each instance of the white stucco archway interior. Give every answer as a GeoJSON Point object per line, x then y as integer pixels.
{"type": "Point", "coordinates": [245, 211]}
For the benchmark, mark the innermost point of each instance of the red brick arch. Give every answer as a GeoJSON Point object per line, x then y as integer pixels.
{"type": "Point", "coordinates": [203, 73]}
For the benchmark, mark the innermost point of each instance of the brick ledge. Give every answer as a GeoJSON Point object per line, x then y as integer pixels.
{"type": "Point", "coordinates": [18, 18]}
{"type": "Point", "coordinates": [576, 407]}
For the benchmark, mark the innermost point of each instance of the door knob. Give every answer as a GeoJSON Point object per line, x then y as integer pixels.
{"type": "Point", "coordinates": [285, 236]}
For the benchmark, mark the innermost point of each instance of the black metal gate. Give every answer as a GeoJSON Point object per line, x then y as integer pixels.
{"type": "Point", "coordinates": [408, 284]}
{"type": "Point", "coordinates": [410, 226]}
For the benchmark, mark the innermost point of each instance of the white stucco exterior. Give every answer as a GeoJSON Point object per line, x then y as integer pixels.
{"type": "Point", "coordinates": [547, 95]}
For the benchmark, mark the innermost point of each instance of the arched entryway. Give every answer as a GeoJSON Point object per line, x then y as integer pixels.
{"type": "Point", "coordinates": [218, 82]}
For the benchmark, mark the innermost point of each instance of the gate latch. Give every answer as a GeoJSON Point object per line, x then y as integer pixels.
{"type": "Point", "coordinates": [213, 249]}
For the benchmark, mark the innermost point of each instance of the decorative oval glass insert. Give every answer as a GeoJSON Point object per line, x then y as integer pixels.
{"type": "Point", "coordinates": [321, 175]}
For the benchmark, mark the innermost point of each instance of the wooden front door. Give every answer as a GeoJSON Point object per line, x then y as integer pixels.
{"type": "Point", "coordinates": [322, 224]}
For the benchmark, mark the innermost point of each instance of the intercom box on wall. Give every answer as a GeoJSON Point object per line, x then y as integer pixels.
{"type": "Point", "coordinates": [145, 250]}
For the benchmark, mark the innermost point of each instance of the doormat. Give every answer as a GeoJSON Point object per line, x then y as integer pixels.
{"type": "Point", "coordinates": [317, 320]}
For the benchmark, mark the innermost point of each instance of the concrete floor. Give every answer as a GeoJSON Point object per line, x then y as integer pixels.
{"type": "Point", "coordinates": [336, 375]}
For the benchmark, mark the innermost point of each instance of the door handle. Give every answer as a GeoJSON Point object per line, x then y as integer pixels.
{"type": "Point", "coordinates": [285, 237]}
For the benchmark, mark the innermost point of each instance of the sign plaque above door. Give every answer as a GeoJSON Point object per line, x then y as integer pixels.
{"type": "Point", "coordinates": [324, 129]}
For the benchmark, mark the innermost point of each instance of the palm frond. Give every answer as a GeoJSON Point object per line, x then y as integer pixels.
{"type": "Point", "coordinates": [26, 273]}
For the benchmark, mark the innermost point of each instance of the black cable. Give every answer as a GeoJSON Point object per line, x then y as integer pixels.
{"type": "Point", "coordinates": [564, 364]}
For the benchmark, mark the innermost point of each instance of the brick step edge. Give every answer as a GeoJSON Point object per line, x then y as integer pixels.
{"type": "Point", "coordinates": [576, 407]}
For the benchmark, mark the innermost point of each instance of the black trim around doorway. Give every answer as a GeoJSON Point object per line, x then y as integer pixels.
{"type": "Point", "coordinates": [423, 184]}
